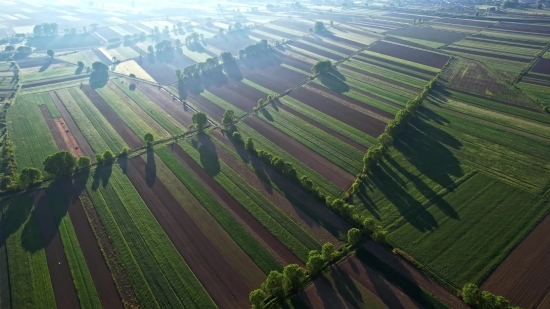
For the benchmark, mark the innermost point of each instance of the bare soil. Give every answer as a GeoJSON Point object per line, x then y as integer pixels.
{"type": "Point", "coordinates": [411, 54]}
{"type": "Point", "coordinates": [226, 287]}
{"type": "Point", "coordinates": [171, 106]}
{"type": "Point", "coordinates": [116, 122]}
{"type": "Point", "coordinates": [542, 66]}
{"type": "Point", "coordinates": [60, 275]}
{"type": "Point", "coordinates": [270, 240]}
{"type": "Point", "coordinates": [366, 60]}
{"type": "Point", "coordinates": [315, 50]}
{"type": "Point", "coordinates": [339, 177]}
{"type": "Point", "coordinates": [522, 277]}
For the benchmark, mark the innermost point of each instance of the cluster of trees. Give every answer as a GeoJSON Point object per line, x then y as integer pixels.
{"type": "Point", "coordinates": [319, 26]}
{"type": "Point", "coordinates": [484, 300]}
{"type": "Point", "coordinates": [199, 120]}
{"type": "Point", "coordinates": [194, 39]}
{"type": "Point", "coordinates": [261, 102]}
{"type": "Point", "coordinates": [291, 280]}
{"type": "Point", "coordinates": [196, 70]}
{"type": "Point", "coordinates": [45, 29]}
{"type": "Point", "coordinates": [254, 49]}
{"type": "Point", "coordinates": [322, 66]}
{"type": "Point", "coordinates": [21, 49]}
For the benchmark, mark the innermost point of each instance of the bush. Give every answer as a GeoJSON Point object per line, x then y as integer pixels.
{"type": "Point", "coordinates": [237, 137]}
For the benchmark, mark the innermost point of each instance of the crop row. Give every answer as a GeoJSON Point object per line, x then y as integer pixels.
{"type": "Point", "coordinates": [391, 74]}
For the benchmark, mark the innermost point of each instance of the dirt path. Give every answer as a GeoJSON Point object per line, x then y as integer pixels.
{"type": "Point", "coordinates": [60, 275]}
{"type": "Point", "coordinates": [173, 107]}
{"type": "Point", "coordinates": [283, 252]}
{"type": "Point", "coordinates": [339, 177]}
{"type": "Point", "coordinates": [116, 122]}
{"type": "Point", "coordinates": [226, 287]}
{"type": "Point", "coordinates": [73, 128]}
{"type": "Point", "coordinates": [62, 136]}
{"type": "Point", "coordinates": [522, 277]}
{"type": "Point", "coordinates": [415, 275]}
{"type": "Point", "coordinates": [101, 276]}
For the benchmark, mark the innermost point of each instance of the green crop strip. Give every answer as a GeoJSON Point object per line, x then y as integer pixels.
{"type": "Point", "coordinates": [239, 234]}
{"type": "Point", "coordinates": [44, 99]}
{"type": "Point", "coordinates": [30, 282]}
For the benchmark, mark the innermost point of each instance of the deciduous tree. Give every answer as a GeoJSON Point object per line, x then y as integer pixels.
{"type": "Point", "coordinates": [50, 53]}
{"type": "Point", "coordinates": [314, 263]}
{"type": "Point", "coordinates": [84, 161]}
{"type": "Point", "coordinates": [274, 284]}
{"type": "Point", "coordinates": [470, 294]}
{"type": "Point", "coordinates": [200, 120]}
{"type": "Point", "coordinates": [257, 298]}
{"type": "Point", "coordinates": [354, 235]}
{"type": "Point", "coordinates": [293, 276]}
{"type": "Point", "coordinates": [228, 118]}
{"type": "Point", "coordinates": [29, 176]}
{"type": "Point", "coordinates": [327, 252]}
{"type": "Point", "coordinates": [60, 163]}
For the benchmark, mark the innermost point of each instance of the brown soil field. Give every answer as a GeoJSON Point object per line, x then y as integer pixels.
{"type": "Point", "coordinates": [294, 24]}
{"type": "Point", "coordinates": [392, 39]}
{"type": "Point", "coordinates": [409, 16]}
{"type": "Point", "coordinates": [465, 22]}
{"type": "Point", "coordinates": [67, 137]}
{"type": "Point", "coordinates": [343, 113]}
{"type": "Point", "coordinates": [522, 277]}
{"type": "Point", "coordinates": [415, 275]}
{"type": "Point", "coordinates": [276, 78]}
{"type": "Point", "coordinates": [230, 43]}
{"type": "Point", "coordinates": [485, 54]}
{"type": "Point", "coordinates": [315, 50]}
{"type": "Point", "coordinates": [159, 71]}
{"type": "Point", "coordinates": [276, 32]}
{"type": "Point", "coordinates": [238, 94]}
{"type": "Point", "coordinates": [163, 99]}
{"type": "Point", "coordinates": [101, 275]}
{"type": "Point", "coordinates": [377, 23]}
{"type": "Point", "coordinates": [54, 80]}
{"type": "Point", "coordinates": [339, 177]}
{"type": "Point", "coordinates": [221, 281]}
{"type": "Point", "coordinates": [268, 239]}
{"type": "Point", "coordinates": [323, 128]}
{"type": "Point", "coordinates": [116, 122]}
{"type": "Point", "coordinates": [504, 42]}
{"type": "Point", "coordinates": [540, 29]}
{"type": "Point", "coordinates": [410, 54]}
{"type": "Point", "coordinates": [542, 66]}
{"type": "Point", "coordinates": [211, 109]}
{"type": "Point", "coordinates": [326, 44]}
{"type": "Point", "coordinates": [262, 178]}
{"type": "Point", "coordinates": [429, 34]}
{"type": "Point", "coordinates": [298, 64]}
{"type": "Point", "coordinates": [83, 145]}
{"type": "Point", "coordinates": [60, 275]}
{"type": "Point", "coordinates": [368, 59]}
{"type": "Point", "coordinates": [340, 40]}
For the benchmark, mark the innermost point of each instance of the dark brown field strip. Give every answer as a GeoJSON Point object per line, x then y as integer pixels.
{"type": "Point", "coordinates": [239, 99]}
{"type": "Point", "coordinates": [58, 139]}
{"type": "Point", "coordinates": [5, 295]}
{"type": "Point", "coordinates": [275, 78]}
{"type": "Point", "coordinates": [327, 169]}
{"type": "Point", "coordinates": [410, 54]}
{"type": "Point", "coordinates": [368, 59]}
{"type": "Point", "coordinates": [116, 122]}
{"type": "Point", "coordinates": [213, 110]}
{"type": "Point", "coordinates": [237, 208]}
{"type": "Point", "coordinates": [60, 275]}
{"type": "Point", "coordinates": [99, 271]}
{"type": "Point", "coordinates": [318, 40]}
{"type": "Point", "coordinates": [75, 131]}
{"type": "Point", "coordinates": [226, 287]}
{"type": "Point", "coordinates": [542, 66]}
{"type": "Point", "coordinates": [298, 64]}
{"type": "Point", "coordinates": [277, 32]}
{"type": "Point", "coordinates": [315, 50]}
{"type": "Point", "coordinates": [172, 107]}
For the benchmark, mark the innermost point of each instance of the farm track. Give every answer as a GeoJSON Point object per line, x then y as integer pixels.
{"type": "Point", "coordinates": [282, 202]}
{"type": "Point", "coordinates": [221, 281]}
{"type": "Point", "coordinates": [99, 271]}
{"type": "Point", "coordinates": [116, 122]}
{"type": "Point", "coordinates": [60, 275]}
{"type": "Point", "coordinates": [283, 252]}
{"type": "Point", "coordinates": [172, 107]}
{"type": "Point", "coordinates": [415, 275]}
{"type": "Point", "coordinates": [83, 145]}
{"type": "Point", "coordinates": [339, 177]}
{"type": "Point", "coordinates": [323, 128]}
{"type": "Point", "coordinates": [522, 277]}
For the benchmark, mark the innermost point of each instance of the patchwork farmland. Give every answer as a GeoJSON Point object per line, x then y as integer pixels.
{"type": "Point", "coordinates": [238, 156]}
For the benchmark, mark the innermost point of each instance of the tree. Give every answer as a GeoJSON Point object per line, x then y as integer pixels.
{"type": "Point", "coordinates": [149, 139]}
{"type": "Point", "coordinates": [319, 26]}
{"type": "Point", "coordinates": [50, 53]}
{"type": "Point", "coordinates": [60, 163]}
{"type": "Point", "coordinates": [9, 48]}
{"type": "Point", "coordinates": [315, 262]}
{"type": "Point", "coordinates": [257, 299]}
{"type": "Point", "coordinates": [54, 28]}
{"type": "Point", "coordinates": [46, 28]}
{"type": "Point", "coordinates": [370, 224]}
{"type": "Point", "coordinates": [354, 235]}
{"type": "Point", "coordinates": [327, 252]}
{"type": "Point", "coordinates": [150, 49]}
{"type": "Point", "coordinates": [249, 145]}
{"type": "Point", "coordinates": [80, 64]}
{"type": "Point", "coordinates": [227, 58]}
{"type": "Point", "coordinates": [124, 152]}
{"type": "Point", "coordinates": [293, 276]}
{"type": "Point", "coordinates": [228, 118]}
{"type": "Point", "coordinates": [37, 30]}
{"type": "Point", "coordinates": [108, 156]}
{"type": "Point", "coordinates": [331, 23]}
{"type": "Point", "coordinates": [29, 176]}
{"type": "Point", "coordinates": [274, 284]}
{"type": "Point", "coordinates": [385, 140]}
{"type": "Point", "coordinates": [487, 300]}
{"type": "Point", "coordinates": [307, 183]}
{"type": "Point", "coordinates": [84, 161]}
{"type": "Point", "coordinates": [321, 66]}
{"type": "Point", "coordinates": [200, 120]}
{"type": "Point", "coordinates": [470, 294]}
{"type": "Point", "coordinates": [237, 137]}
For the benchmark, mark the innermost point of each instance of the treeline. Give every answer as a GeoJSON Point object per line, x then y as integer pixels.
{"type": "Point", "coordinates": [280, 286]}
{"type": "Point", "coordinates": [483, 300]}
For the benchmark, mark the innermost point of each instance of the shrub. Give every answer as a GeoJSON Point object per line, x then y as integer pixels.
{"type": "Point", "coordinates": [354, 235]}
{"type": "Point", "coordinates": [470, 294]}
{"type": "Point", "coordinates": [314, 263]}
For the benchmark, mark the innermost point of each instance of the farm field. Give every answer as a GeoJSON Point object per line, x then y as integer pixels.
{"type": "Point", "coordinates": [251, 135]}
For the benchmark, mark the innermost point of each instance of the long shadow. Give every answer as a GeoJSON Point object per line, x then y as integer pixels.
{"type": "Point", "coordinates": [332, 82]}
{"type": "Point", "coordinates": [182, 91]}
{"type": "Point", "coordinates": [208, 155]}
{"type": "Point", "coordinates": [337, 74]}
{"type": "Point", "coordinates": [45, 66]}
{"type": "Point", "coordinates": [123, 163]}
{"type": "Point", "coordinates": [346, 287]}
{"type": "Point", "coordinates": [101, 175]}
{"type": "Point", "coordinates": [78, 70]}
{"type": "Point", "coordinates": [98, 79]}
{"type": "Point", "coordinates": [327, 294]}
{"type": "Point", "coordinates": [233, 72]}
{"type": "Point", "coordinates": [150, 169]}
{"type": "Point", "coordinates": [266, 114]}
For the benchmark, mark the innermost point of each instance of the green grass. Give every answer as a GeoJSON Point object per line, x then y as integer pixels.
{"type": "Point", "coordinates": [129, 115]}
{"type": "Point", "coordinates": [388, 73]}
{"type": "Point", "coordinates": [30, 283]}
{"type": "Point", "coordinates": [239, 234]}
{"type": "Point", "coordinates": [328, 146]}
{"type": "Point", "coordinates": [261, 88]}
{"type": "Point", "coordinates": [45, 99]}
{"type": "Point", "coordinates": [85, 289]}
{"type": "Point", "coordinates": [158, 273]}
{"type": "Point", "coordinates": [96, 129]}
{"type": "Point", "coordinates": [31, 77]}
{"type": "Point", "coordinates": [262, 143]}
{"type": "Point", "coordinates": [29, 132]}
{"type": "Point", "coordinates": [80, 56]}
{"type": "Point", "coordinates": [153, 110]}
{"type": "Point", "coordinates": [402, 61]}
{"type": "Point", "coordinates": [277, 223]}
{"type": "Point", "coordinates": [395, 66]}
{"type": "Point", "coordinates": [488, 219]}
{"type": "Point", "coordinates": [541, 93]}
{"type": "Point", "coordinates": [62, 85]}
{"type": "Point", "coordinates": [337, 126]}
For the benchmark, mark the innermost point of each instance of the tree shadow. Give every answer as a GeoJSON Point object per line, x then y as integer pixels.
{"type": "Point", "coordinates": [78, 70]}
{"type": "Point", "coordinates": [98, 79]}
{"type": "Point", "coordinates": [346, 287]}
{"type": "Point", "coordinates": [332, 82]}
{"type": "Point", "coordinates": [182, 90]}
{"type": "Point", "coordinates": [150, 169]}
{"type": "Point", "coordinates": [113, 45]}
{"type": "Point", "coordinates": [167, 55]}
{"type": "Point", "coordinates": [337, 74]}
{"type": "Point", "coordinates": [208, 155]}
{"type": "Point", "coordinates": [101, 175]}
{"type": "Point", "coordinates": [233, 72]}
{"type": "Point", "coordinates": [266, 114]}
{"type": "Point", "coordinates": [45, 66]}
{"type": "Point", "coordinates": [326, 292]}
{"type": "Point", "coordinates": [123, 163]}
